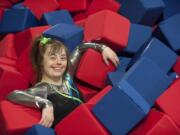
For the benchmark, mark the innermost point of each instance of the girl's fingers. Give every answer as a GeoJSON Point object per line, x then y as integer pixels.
{"type": "Point", "coordinates": [106, 60]}
{"type": "Point", "coordinates": [50, 123]}
{"type": "Point", "coordinates": [45, 121]}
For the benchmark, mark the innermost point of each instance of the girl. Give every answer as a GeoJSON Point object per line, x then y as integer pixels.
{"type": "Point", "coordinates": [55, 94]}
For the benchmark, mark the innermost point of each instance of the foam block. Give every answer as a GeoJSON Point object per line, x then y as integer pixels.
{"type": "Point", "coordinates": [7, 47]}
{"type": "Point", "coordinates": [1, 13]}
{"type": "Point", "coordinates": [25, 67]}
{"type": "Point", "coordinates": [44, 6]}
{"type": "Point", "coordinates": [156, 123]}
{"type": "Point", "coordinates": [93, 70]}
{"type": "Point", "coordinates": [173, 76]}
{"type": "Point", "coordinates": [15, 20]}
{"type": "Point", "coordinates": [167, 102]}
{"type": "Point", "coordinates": [168, 30]}
{"type": "Point", "coordinates": [144, 82]}
{"type": "Point", "coordinates": [172, 8]}
{"type": "Point", "coordinates": [40, 130]}
{"type": "Point", "coordinates": [176, 66]}
{"type": "Point", "coordinates": [74, 6]}
{"type": "Point", "coordinates": [120, 1]}
{"type": "Point", "coordinates": [108, 27]}
{"type": "Point", "coordinates": [18, 6]}
{"type": "Point", "coordinates": [124, 64]}
{"type": "Point", "coordinates": [114, 78]}
{"type": "Point", "coordinates": [81, 23]}
{"type": "Point", "coordinates": [70, 35]}
{"type": "Point", "coordinates": [14, 1]}
{"type": "Point", "coordinates": [116, 111]}
{"type": "Point", "coordinates": [80, 122]}
{"type": "Point", "coordinates": [79, 16]}
{"type": "Point", "coordinates": [53, 18]}
{"type": "Point", "coordinates": [25, 38]}
{"type": "Point", "coordinates": [166, 59]}
{"type": "Point", "coordinates": [86, 91]}
{"type": "Point", "coordinates": [8, 75]}
{"type": "Point", "coordinates": [94, 100]}
{"type": "Point", "coordinates": [138, 36]}
{"type": "Point", "coordinates": [6, 4]}
{"type": "Point", "coordinates": [7, 61]}
{"type": "Point", "coordinates": [148, 11]}
{"type": "Point", "coordinates": [98, 5]}
{"type": "Point", "coordinates": [17, 119]}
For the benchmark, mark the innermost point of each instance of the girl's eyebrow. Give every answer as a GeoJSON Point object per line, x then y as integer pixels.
{"type": "Point", "coordinates": [50, 54]}
{"type": "Point", "coordinates": [63, 54]}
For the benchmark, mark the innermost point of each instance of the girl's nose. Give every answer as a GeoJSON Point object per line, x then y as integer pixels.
{"type": "Point", "coordinates": [58, 61]}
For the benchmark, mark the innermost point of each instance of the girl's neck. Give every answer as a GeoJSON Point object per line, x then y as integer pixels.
{"type": "Point", "coordinates": [52, 81]}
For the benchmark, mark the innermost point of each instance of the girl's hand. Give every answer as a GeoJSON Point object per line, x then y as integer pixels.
{"type": "Point", "coordinates": [109, 54]}
{"type": "Point", "coordinates": [47, 117]}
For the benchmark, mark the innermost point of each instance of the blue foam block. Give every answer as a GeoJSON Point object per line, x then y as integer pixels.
{"type": "Point", "coordinates": [124, 63]}
{"type": "Point", "coordinates": [169, 32]}
{"type": "Point", "coordinates": [117, 112]}
{"type": "Point", "coordinates": [40, 130]}
{"type": "Point", "coordinates": [18, 6]}
{"type": "Point", "coordinates": [113, 78]}
{"type": "Point", "coordinates": [144, 12]}
{"type": "Point", "coordinates": [144, 82]}
{"type": "Point", "coordinates": [159, 53]}
{"type": "Point", "coordinates": [53, 18]}
{"type": "Point", "coordinates": [70, 35]}
{"type": "Point", "coordinates": [173, 76]}
{"type": "Point", "coordinates": [172, 8]}
{"type": "Point", "coordinates": [138, 36]}
{"type": "Point", "coordinates": [120, 1]}
{"type": "Point", "coordinates": [15, 20]}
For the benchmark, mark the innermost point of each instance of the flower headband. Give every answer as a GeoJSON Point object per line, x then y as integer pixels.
{"type": "Point", "coordinates": [44, 41]}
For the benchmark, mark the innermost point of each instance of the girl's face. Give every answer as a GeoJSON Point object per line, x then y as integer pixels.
{"type": "Point", "coordinates": [54, 64]}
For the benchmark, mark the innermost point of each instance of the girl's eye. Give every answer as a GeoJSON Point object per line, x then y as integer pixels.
{"type": "Point", "coordinates": [52, 57]}
{"type": "Point", "coordinates": [63, 58]}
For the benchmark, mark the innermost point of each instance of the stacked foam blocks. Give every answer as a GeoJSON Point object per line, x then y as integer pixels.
{"type": "Point", "coordinates": [139, 97]}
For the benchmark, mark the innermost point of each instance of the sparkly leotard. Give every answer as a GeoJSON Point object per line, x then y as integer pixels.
{"type": "Point", "coordinates": [64, 98]}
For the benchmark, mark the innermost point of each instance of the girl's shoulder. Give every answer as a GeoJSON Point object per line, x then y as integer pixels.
{"type": "Point", "coordinates": [41, 85]}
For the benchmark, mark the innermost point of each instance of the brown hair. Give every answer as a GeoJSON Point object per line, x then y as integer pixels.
{"type": "Point", "coordinates": [38, 51]}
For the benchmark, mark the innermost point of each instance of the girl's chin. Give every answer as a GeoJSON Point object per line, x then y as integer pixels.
{"type": "Point", "coordinates": [57, 75]}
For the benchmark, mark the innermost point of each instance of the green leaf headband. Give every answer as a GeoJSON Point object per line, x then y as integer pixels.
{"type": "Point", "coordinates": [44, 41]}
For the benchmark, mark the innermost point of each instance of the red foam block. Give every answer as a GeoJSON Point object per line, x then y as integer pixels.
{"type": "Point", "coordinates": [17, 119]}
{"type": "Point", "coordinates": [156, 123]}
{"type": "Point", "coordinates": [74, 6]}
{"type": "Point", "coordinates": [109, 27]}
{"type": "Point", "coordinates": [11, 79]}
{"type": "Point", "coordinates": [169, 100]}
{"type": "Point", "coordinates": [80, 122]}
{"type": "Point", "coordinates": [5, 4]}
{"type": "Point", "coordinates": [8, 61]}
{"type": "Point", "coordinates": [25, 67]}
{"type": "Point", "coordinates": [25, 38]}
{"type": "Point", "coordinates": [7, 47]}
{"type": "Point", "coordinates": [86, 91]}
{"type": "Point", "coordinates": [176, 67]}
{"type": "Point", "coordinates": [39, 7]}
{"type": "Point", "coordinates": [98, 5]}
{"type": "Point", "coordinates": [93, 70]}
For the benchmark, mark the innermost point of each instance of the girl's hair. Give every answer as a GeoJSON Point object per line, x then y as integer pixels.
{"type": "Point", "coordinates": [38, 50]}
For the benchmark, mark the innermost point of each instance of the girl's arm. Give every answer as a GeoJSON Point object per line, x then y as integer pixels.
{"type": "Point", "coordinates": [35, 97]}
{"type": "Point", "coordinates": [107, 54]}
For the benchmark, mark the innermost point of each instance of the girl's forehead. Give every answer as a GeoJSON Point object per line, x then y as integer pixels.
{"type": "Point", "coordinates": [55, 50]}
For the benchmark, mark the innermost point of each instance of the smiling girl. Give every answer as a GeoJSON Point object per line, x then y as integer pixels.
{"type": "Point", "coordinates": [55, 93]}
